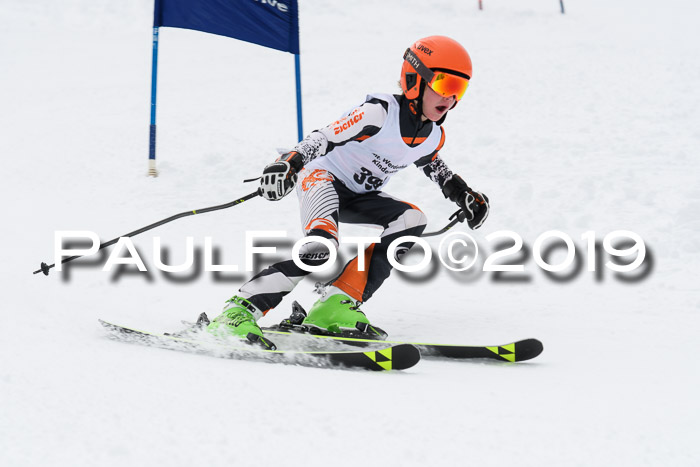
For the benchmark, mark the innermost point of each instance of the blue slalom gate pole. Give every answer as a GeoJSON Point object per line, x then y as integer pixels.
{"type": "Point", "coordinates": [152, 172]}
{"type": "Point", "coordinates": [300, 124]}
{"type": "Point", "coordinates": [561, 3]}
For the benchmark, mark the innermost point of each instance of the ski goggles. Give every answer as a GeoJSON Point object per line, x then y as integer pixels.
{"type": "Point", "coordinates": [442, 82]}
{"type": "Point", "coordinates": [449, 85]}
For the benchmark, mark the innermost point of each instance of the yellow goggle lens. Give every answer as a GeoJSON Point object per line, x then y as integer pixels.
{"type": "Point", "coordinates": [449, 85]}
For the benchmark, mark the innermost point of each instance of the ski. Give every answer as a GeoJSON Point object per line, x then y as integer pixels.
{"type": "Point", "coordinates": [389, 357]}
{"type": "Point", "coordinates": [517, 351]}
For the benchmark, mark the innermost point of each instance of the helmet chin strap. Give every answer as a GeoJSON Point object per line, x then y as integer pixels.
{"type": "Point", "coordinates": [418, 104]}
{"type": "Point", "coordinates": [442, 119]}
{"type": "Point", "coordinates": [419, 100]}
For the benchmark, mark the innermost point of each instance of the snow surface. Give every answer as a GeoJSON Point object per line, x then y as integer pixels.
{"type": "Point", "coordinates": [580, 122]}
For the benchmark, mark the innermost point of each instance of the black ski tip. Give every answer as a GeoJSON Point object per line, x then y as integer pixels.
{"type": "Point", "coordinates": [528, 349]}
{"type": "Point", "coordinates": [397, 357]}
{"type": "Point", "coordinates": [407, 356]}
{"type": "Point", "coordinates": [517, 351]}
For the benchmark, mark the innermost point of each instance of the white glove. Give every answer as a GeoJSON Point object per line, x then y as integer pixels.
{"type": "Point", "coordinates": [278, 179]}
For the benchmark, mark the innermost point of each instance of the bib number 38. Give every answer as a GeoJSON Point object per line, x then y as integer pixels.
{"type": "Point", "coordinates": [365, 177]}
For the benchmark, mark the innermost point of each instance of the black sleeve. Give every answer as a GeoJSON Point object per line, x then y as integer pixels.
{"type": "Point", "coordinates": [435, 168]}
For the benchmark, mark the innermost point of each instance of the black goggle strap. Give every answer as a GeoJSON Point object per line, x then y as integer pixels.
{"type": "Point", "coordinates": [426, 73]}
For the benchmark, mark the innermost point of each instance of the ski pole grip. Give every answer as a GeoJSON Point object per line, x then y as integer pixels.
{"type": "Point", "coordinates": [44, 268]}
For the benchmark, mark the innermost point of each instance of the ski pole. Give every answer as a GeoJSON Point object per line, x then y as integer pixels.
{"type": "Point", "coordinates": [441, 231]}
{"type": "Point", "coordinates": [46, 267]}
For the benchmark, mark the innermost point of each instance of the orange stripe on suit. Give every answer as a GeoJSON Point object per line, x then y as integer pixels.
{"type": "Point", "coordinates": [352, 281]}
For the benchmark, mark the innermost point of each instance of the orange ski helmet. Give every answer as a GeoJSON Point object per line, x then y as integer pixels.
{"type": "Point", "coordinates": [442, 63]}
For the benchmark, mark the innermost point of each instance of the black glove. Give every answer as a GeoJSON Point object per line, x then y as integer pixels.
{"type": "Point", "coordinates": [474, 206]}
{"type": "Point", "coordinates": [278, 179]}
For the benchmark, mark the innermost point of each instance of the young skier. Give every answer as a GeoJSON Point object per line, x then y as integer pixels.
{"type": "Point", "coordinates": [342, 169]}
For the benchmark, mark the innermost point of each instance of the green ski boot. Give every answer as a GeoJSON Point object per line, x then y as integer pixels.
{"type": "Point", "coordinates": [239, 320]}
{"type": "Point", "coordinates": [337, 313]}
